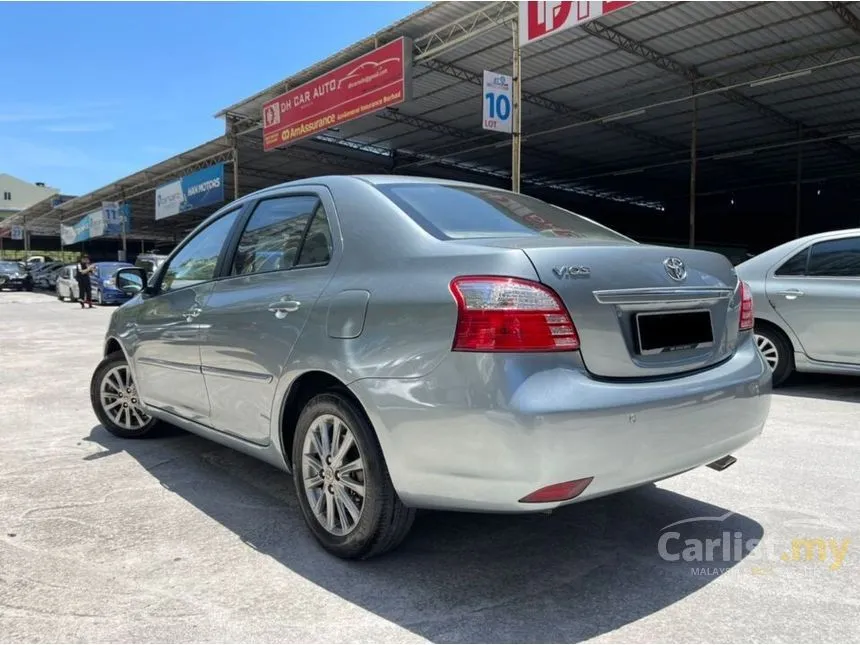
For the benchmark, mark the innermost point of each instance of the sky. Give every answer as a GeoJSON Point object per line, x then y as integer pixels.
{"type": "Point", "coordinates": [92, 92]}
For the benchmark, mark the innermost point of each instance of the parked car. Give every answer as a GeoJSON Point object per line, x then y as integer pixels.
{"type": "Point", "coordinates": [13, 275]}
{"type": "Point", "coordinates": [105, 291]}
{"type": "Point", "coordinates": [150, 262]}
{"type": "Point", "coordinates": [807, 299]}
{"type": "Point", "coordinates": [399, 343]}
{"type": "Point", "coordinates": [66, 285]}
{"type": "Point", "coordinates": [43, 276]}
{"type": "Point", "coordinates": [102, 280]}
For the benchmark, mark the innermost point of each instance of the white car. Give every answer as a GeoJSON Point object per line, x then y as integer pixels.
{"type": "Point", "coordinates": [67, 284]}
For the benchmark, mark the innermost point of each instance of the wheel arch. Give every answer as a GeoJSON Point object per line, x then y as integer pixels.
{"type": "Point", "coordinates": [772, 326]}
{"type": "Point", "coordinates": [303, 388]}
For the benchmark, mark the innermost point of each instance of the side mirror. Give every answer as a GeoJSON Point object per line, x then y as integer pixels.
{"type": "Point", "coordinates": [131, 280]}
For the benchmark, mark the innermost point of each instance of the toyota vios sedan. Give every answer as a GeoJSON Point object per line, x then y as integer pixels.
{"type": "Point", "coordinates": [398, 343]}
{"type": "Point", "coordinates": [807, 296]}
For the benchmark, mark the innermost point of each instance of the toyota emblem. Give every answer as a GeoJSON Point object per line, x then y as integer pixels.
{"type": "Point", "coordinates": [675, 268]}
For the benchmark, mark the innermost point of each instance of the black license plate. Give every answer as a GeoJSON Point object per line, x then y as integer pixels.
{"type": "Point", "coordinates": [670, 332]}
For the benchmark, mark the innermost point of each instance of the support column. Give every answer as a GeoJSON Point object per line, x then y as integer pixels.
{"type": "Point", "coordinates": [516, 134]}
{"type": "Point", "coordinates": [124, 229]}
{"type": "Point", "coordinates": [693, 166]}
{"type": "Point", "coordinates": [799, 183]}
{"type": "Point", "coordinates": [235, 171]}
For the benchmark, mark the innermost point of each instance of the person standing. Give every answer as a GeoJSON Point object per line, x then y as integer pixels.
{"type": "Point", "coordinates": [85, 287]}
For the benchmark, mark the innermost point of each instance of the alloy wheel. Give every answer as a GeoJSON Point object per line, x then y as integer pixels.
{"type": "Point", "coordinates": [768, 350]}
{"type": "Point", "coordinates": [333, 475]}
{"type": "Point", "coordinates": [119, 400]}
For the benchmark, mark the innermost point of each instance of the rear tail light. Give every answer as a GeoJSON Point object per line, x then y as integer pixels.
{"type": "Point", "coordinates": [497, 314]}
{"type": "Point", "coordinates": [747, 310]}
{"type": "Point", "coordinates": [558, 492]}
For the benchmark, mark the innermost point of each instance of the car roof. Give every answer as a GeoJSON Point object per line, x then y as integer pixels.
{"type": "Point", "coordinates": [375, 180]}
{"type": "Point", "coordinates": [763, 261]}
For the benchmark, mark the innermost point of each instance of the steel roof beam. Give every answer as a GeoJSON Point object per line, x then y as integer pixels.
{"type": "Point", "coordinates": [488, 17]}
{"type": "Point", "coordinates": [423, 124]}
{"type": "Point", "coordinates": [841, 9]}
{"type": "Point", "coordinates": [667, 63]}
{"type": "Point", "coordinates": [555, 106]}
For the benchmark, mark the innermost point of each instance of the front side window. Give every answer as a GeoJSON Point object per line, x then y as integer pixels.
{"type": "Point", "coordinates": [273, 236]}
{"type": "Point", "coordinates": [460, 212]}
{"type": "Point", "coordinates": [197, 260]}
{"type": "Point", "coordinates": [835, 258]}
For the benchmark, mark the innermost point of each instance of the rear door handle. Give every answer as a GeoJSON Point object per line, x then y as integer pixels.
{"type": "Point", "coordinates": [284, 306]}
{"type": "Point", "coordinates": [791, 294]}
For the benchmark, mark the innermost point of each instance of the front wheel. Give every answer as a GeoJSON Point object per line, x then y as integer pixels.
{"type": "Point", "coordinates": [342, 482]}
{"type": "Point", "coordinates": [776, 351]}
{"type": "Point", "coordinates": [114, 398]}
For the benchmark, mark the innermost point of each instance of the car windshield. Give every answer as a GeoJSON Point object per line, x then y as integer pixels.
{"type": "Point", "coordinates": [460, 212]}
{"type": "Point", "coordinates": [10, 266]}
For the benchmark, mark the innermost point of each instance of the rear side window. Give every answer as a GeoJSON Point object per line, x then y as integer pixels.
{"type": "Point", "coordinates": [835, 258]}
{"type": "Point", "coordinates": [795, 266]}
{"type": "Point", "coordinates": [278, 233]}
{"type": "Point", "coordinates": [458, 212]}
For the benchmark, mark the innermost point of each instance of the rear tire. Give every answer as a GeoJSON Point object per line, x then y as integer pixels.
{"type": "Point", "coordinates": [351, 508]}
{"type": "Point", "coordinates": [777, 351]}
{"type": "Point", "coordinates": [114, 398]}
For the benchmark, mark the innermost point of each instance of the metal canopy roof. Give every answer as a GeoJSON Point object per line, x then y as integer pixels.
{"type": "Point", "coordinates": [766, 74]}
{"type": "Point", "coordinates": [607, 108]}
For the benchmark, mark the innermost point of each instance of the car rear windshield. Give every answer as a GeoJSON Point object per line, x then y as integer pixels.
{"type": "Point", "coordinates": [461, 212]}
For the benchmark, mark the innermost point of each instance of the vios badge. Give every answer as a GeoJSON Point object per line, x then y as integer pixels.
{"type": "Point", "coordinates": [571, 272]}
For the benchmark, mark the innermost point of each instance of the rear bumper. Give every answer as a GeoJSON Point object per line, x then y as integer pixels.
{"type": "Point", "coordinates": [483, 431]}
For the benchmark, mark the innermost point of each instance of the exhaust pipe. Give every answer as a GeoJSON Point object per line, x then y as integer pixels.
{"type": "Point", "coordinates": [721, 464]}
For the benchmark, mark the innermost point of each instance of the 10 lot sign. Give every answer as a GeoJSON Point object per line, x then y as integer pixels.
{"type": "Point", "coordinates": [498, 106]}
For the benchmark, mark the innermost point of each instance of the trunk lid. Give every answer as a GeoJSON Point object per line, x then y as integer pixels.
{"type": "Point", "coordinates": [619, 296]}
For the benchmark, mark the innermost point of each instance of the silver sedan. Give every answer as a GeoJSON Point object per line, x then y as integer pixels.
{"type": "Point", "coordinates": [807, 299]}
{"type": "Point", "coordinates": [399, 343]}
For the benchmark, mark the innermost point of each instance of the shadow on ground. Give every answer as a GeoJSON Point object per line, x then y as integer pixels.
{"type": "Point", "coordinates": [822, 386]}
{"type": "Point", "coordinates": [584, 571]}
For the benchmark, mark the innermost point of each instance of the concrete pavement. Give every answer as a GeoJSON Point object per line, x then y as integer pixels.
{"type": "Point", "coordinates": [175, 539]}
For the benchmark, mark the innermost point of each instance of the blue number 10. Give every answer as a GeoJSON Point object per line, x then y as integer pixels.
{"type": "Point", "coordinates": [500, 105]}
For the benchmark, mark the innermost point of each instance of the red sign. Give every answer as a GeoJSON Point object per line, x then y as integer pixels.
{"type": "Point", "coordinates": [369, 83]}
{"type": "Point", "coordinates": [540, 19]}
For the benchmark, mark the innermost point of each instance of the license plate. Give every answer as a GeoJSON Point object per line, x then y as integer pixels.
{"type": "Point", "coordinates": [672, 332]}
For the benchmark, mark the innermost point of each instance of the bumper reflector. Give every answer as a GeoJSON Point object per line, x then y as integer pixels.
{"type": "Point", "coordinates": [557, 492]}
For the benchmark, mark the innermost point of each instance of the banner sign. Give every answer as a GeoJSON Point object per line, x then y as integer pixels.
{"type": "Point", "coordinates": [201, 188]}
{"type": "Point", "coordinates": [106, 221]}
{"type": "Point", "coordinates": [77, 232]}
{"type": "Point", "coordinates": [497, 102]}
{"type": "Point", "coordinates": [540, 19]}
{"type": "Point", "coordinates": [17, 233]}
{"type": "Point", "coordinates": [369, 83]}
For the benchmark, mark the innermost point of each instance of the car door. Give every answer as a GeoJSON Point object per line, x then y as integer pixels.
{"type": "Point", "coordinates": [817, 294]}
{"type": "Point", "coordinates": [166, 352]}
{"type": "Point", "coordinates": [280, 266]}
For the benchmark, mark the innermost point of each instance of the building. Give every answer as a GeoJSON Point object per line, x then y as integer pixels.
{"type": "Point", "coordinates": [17, 194]}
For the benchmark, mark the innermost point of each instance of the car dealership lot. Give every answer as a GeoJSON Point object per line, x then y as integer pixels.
{"type": "Point", "coordinates": [177, 539]}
